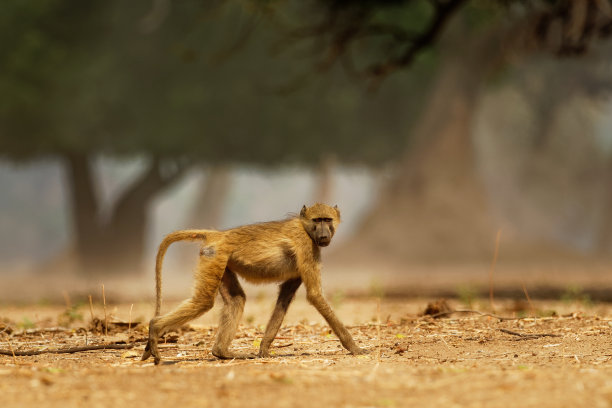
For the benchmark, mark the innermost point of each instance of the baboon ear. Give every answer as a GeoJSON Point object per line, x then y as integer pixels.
{"type": "Point", "coordinates": [337, 211]}
{"type": "Point", "coordinates": [303, 212]}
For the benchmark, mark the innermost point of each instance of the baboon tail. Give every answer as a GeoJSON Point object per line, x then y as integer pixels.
{"type": "Point", "coordinates": [183, 235]}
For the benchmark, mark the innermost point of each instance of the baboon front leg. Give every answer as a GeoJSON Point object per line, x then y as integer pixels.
{"type": "Point", "coordinates": [207, 282]}
{"type": "Point", "coordinates": [233, 305]}
{"type": "Point", "coordinates": [315, 297]}
{"type": "Point", "coordinates": [285, 296]}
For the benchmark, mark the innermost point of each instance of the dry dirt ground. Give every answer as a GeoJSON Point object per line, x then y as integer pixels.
{"type": "Point", "coordinates": [459, 360]}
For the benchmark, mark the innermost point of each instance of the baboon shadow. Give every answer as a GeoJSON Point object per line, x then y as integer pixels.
{"type": "Point", "coordinates": [229, 360]}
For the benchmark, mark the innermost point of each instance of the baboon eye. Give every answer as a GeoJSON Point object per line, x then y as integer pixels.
{"type": "Point", "coordinates": [317, 219]}
{"type": "Point", "coordinates": [327, 219]}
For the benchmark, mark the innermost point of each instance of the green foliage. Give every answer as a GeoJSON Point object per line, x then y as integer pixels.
{"type": "Point", "coordinates": [575, 294]}
{"type": "Point", "coordinates": [547, 313]}
{"type": "Point", "coordinates": [467, 294]}
{"type": "Point", "coordinates": [86, 77]}
{"type": "Point", "coordinates": [376, 289]}
{"type": "Point", "coordinates": [338, 298]}
{"type": "Point", "coordinates": [412, 16]}
{"type": "Point", "coordinates": [26, 323]}
{"type": "Point", "coordinates": [479, 13]}
{"type": "Point", "coordinates": [227, 82]}
{"type": "Point", "coordinates": [71, 315]}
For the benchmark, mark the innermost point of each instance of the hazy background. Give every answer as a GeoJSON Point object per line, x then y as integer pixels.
{"type": "Point", "coordinates": [431, 130]}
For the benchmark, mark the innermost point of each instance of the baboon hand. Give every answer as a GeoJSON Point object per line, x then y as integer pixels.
{"type": "Point", "coordinates": [146, 354]}
{"type": "Point", "coordinates": [359, 351]}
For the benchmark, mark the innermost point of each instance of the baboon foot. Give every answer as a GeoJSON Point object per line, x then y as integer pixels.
{"type": "Point", "coordinates": [359, 351]}
{"type": "Point", "coordinates": [263, 354]}
{"type": "Point", "coordinates": [230, 355]}
{"type": "Point", "coordinates": [146, 354]}
{"type": "Point", "coordinates": [151, 347]}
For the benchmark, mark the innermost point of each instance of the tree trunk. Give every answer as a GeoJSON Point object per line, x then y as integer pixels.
{"type": "Point", "coordinates": [84, 206]}
{"type": "Point", "coordinates": [435, 208]}
{"type": "Point", "coordinates": [207, 213]}
{"type": "Point", "coordinates": [324, 179]}
{"type": "Point", "coordinates": [604, 236]}
{"type": "Point", "coordinates": [114, 246]}
{"type": "Point", "coordinates": [210, 200]}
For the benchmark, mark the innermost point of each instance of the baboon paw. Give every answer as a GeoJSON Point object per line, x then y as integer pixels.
{"type": "Point", "coordinates": [228, 355]}
{"type": "Point", "coordinates": [156, 360]}
{"type": "Point", "coordinates": [146, 355]}
{"type": "Point", "coordinates": [359, 351]}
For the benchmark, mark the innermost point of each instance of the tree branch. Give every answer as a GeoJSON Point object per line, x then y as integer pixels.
{"type": "Point", "coordinates": [443, 13]}
{"type": "Point", "coordinates": [349, 22]}
{"type": "Point", "coordinates": [569, 25]}
{"type": "Point", "coordinates": [528, 336]}
{"type": "Point", "coordinates": [151, 182]}
{"type": "Point", "coordinates": [67, 350]}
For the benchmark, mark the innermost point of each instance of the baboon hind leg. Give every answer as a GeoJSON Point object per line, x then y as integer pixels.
{"type": "Point", "coordinates": [233, 305]}
{"type": "Point", "coordinates": [207, 282]}
{"type": "Point", "coordinates": [285, 296]}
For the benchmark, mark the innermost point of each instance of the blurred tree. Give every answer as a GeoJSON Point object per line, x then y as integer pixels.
{"type": "Point", "coordinates": [324, 179]}
{"type": "Point", "coordinates": [435, 208]}
{"type": "Point", "coordinates": [604, 237]}
{"type": "Point", "coordinates": [208, 206]}
{"type": "Point", "coordinates": [551, 88]}
{"type": "Point", "coordinates": [162, 80]}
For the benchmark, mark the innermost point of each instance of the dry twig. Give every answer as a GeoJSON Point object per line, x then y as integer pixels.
{"type": "Point", "coordinates": [450, 312]}
{"type": "Point", "coordinates": [10, 352]}
{"type": "Point", "coordinates": [66, 350]}
{"type": "Point", "coordinates": [284, 345]}
{"type": "Point", "coordinates": [529, 336]}
{"type": "Point", "coordinates": [91, 312]}
{"type": "Point", "coordinates": [45, 330]}
{"type": "Point", "coordinates": [105, 315]}
{"type": "Point", "coordinates": [130, 322]}
{"type": "Point", "coordinates": [533, 311]}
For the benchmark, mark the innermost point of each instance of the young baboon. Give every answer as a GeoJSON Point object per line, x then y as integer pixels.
{"type": "Point", "coordinates": [285, 251]}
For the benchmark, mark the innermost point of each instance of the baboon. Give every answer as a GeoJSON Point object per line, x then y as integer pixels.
{"type": "Point", "coordinates": [285, 251]}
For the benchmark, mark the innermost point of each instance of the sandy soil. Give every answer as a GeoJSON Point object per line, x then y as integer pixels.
{"type": "Point", "coordinates": [458, 360]}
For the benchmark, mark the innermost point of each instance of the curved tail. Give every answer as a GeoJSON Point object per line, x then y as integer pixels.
{"type": "Point", "coordinates": [183, 235]}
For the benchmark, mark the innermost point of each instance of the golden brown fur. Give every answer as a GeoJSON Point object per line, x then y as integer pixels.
{"type": "Point", "coordinates": [279, 251]}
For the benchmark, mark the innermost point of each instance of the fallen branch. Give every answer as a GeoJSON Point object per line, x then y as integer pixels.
{"type": "Point", "coordinates": [449, 312]}
{"type": "Point", "coordinates": [284, 345]}
{"type": "Point", "coordinates": [529, 336]}
{"type": "Point", "coordinates": [45, 330]}
{"type": "Point", "coordinates": [67, 350]}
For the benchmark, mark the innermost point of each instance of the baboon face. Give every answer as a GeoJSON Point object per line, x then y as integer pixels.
{"type": "Point", "coordinates": [320, 222]}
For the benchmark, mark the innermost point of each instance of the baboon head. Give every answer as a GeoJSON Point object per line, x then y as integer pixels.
{"type": "Point", "coordinates": [320, 222]}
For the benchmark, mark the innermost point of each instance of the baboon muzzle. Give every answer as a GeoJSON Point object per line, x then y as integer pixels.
{"type": "Point", "coordinates": [323, 239]}
{"type": "Point", "coordinates": [323, 242]}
